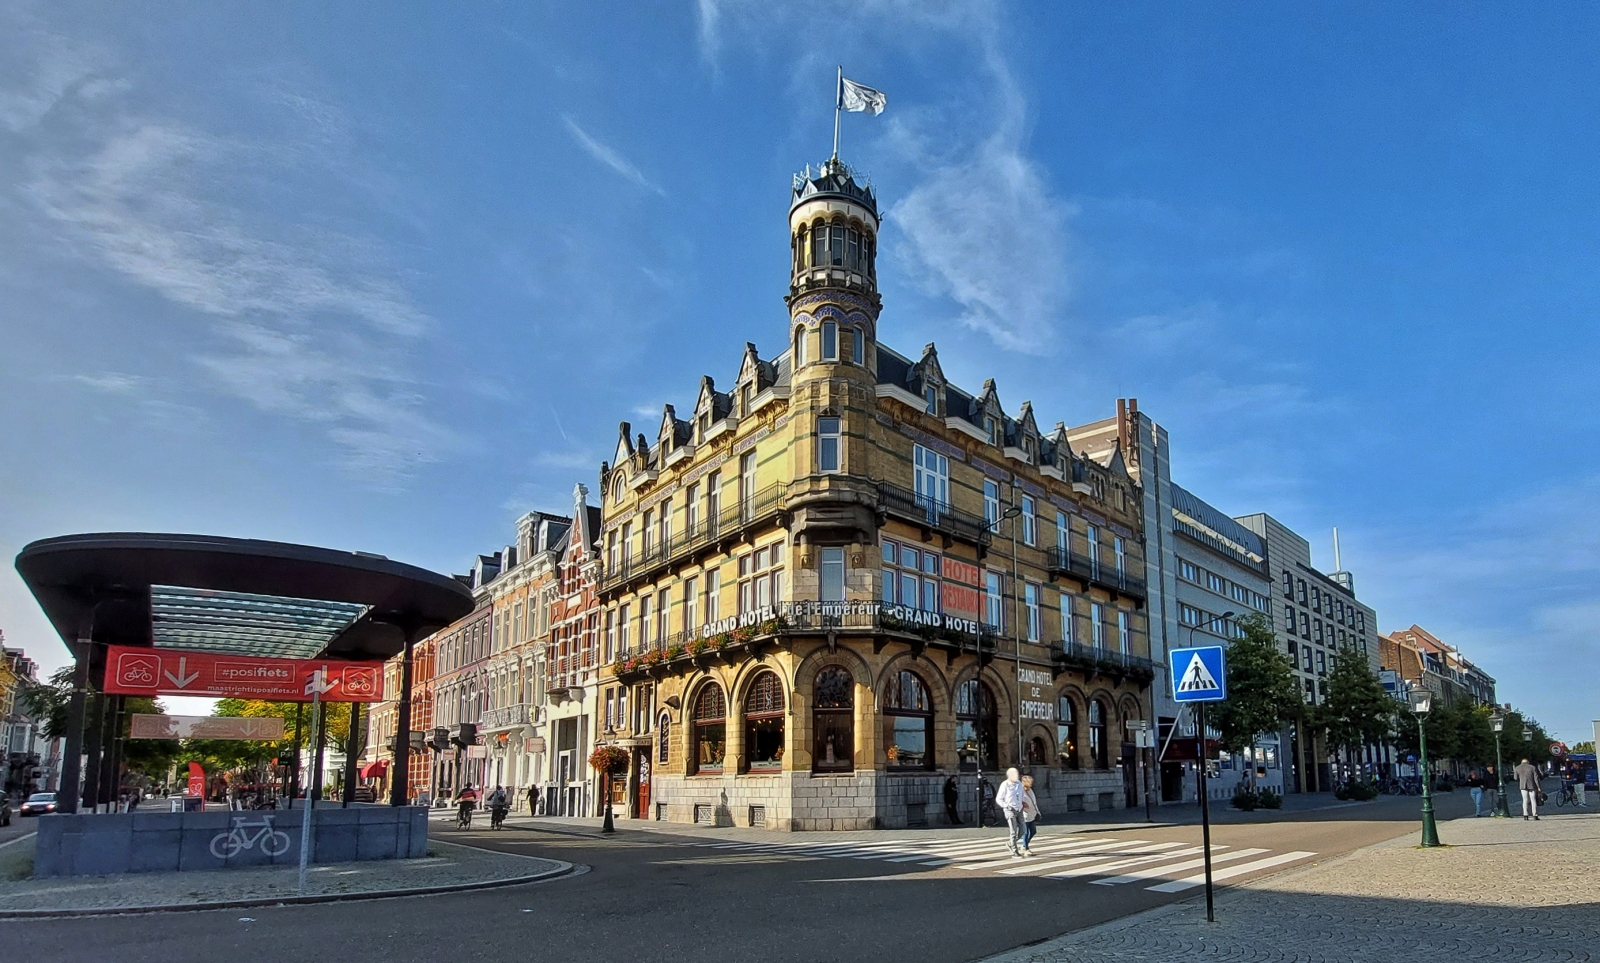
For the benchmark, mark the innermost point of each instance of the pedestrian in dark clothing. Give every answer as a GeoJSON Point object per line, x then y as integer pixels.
{"type": "Point", "coordinates": [533, 800]}
{"type": "Point", "coordinates": [952, 796]}
{"type": "Point", "coordinates": [1528, 781]}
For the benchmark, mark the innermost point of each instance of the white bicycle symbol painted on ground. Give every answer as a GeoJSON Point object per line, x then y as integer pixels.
{"type": "Point", "coordinates": [274, 842]}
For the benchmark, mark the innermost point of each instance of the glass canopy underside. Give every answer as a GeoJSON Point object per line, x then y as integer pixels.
{"type": "Point", "coordinates": [243, 624]}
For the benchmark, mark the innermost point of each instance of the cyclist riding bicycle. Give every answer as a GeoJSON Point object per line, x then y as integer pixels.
{"type": "Point", "coordinates": [466, 802]}
{"type": "Point", "coordinates": [497, 807]}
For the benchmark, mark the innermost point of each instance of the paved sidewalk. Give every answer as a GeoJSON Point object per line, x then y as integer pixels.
{"type": "Point", "coordinates": [1502, 889]}
{"type": "Point", "coordinates": [447, 867]}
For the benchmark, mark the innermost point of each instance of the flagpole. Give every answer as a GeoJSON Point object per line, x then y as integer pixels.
{"type": "Point", "coordinates": [838, 105]}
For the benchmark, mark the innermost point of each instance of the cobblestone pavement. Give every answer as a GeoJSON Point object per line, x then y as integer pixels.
{"type": "Point", "coordinates": [445, 866]}
{"type": "Point", "coordinates": [1501, 889]}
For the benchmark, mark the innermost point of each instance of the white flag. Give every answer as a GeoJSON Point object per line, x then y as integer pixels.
{"type": "Point", "coordinates": [858, 97]}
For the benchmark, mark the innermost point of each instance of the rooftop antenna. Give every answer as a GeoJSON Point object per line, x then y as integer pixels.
{"type": "Point", "coordinates": [1337, 565]}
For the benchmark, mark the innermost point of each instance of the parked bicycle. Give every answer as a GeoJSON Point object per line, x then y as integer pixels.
{"type": "Point", "coordinates": [1568, 796]}
{"type": "Point", "coordinates": [274, 842]}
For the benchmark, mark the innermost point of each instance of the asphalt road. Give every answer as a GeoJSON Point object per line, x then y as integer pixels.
{"type": "Point", "coordinates": [654, 897]}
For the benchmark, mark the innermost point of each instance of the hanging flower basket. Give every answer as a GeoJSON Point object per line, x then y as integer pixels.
{"type": "Point", "coordinates": [612, 759]}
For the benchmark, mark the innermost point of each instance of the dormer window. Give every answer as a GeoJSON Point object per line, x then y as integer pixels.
{"type": "Point", "coordinates": [930, 398]}
{"type": "Point", "coordinates": [830, 341]}
{"type": "Point", "coordinates": [992, 429]}
{"type": "Point", "coordinates": [746, 394]}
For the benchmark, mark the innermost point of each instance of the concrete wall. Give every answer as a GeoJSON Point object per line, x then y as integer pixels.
{"type": "Point", "coordinates": [156, 842]}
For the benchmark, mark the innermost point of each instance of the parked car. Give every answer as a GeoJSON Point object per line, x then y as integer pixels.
{"type": "Point", "coordinates": [39, 803]}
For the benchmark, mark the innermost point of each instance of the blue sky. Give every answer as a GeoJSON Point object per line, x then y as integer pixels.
{"type": "Point", "coordinates": [386, 278]}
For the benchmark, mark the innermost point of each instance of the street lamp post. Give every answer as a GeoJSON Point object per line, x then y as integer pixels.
{"type": "Point", "coordinates": [609, 825]}
{"type": "Point", "coordinates": [1421, 703]}
{"type": "Point", "coordinates": [1502, 808]}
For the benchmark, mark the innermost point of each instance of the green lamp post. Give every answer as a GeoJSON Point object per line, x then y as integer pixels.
{"type": "Point", "coordinates": [1421, 704]}
{"type": "Point", "coordinates": [1502, 807]}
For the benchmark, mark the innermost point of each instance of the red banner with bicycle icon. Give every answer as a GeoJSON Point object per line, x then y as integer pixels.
{"type": "Point", "coordinates": [150, 672]}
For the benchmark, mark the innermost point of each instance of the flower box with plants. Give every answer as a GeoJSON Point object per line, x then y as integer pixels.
{"type": "Point", "coordinates": [609, 760]}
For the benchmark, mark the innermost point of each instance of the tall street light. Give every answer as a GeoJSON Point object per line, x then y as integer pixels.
{"type": "Point", "coordinates": [1018, 615]}
{"type": "Point", "coordinates": [1421, 704]}
{"type": "Point", "coordinates": [1497, 722]}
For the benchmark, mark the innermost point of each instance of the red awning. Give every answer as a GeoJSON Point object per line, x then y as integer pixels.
{"type": "Point", "coordinates": [373, 770]}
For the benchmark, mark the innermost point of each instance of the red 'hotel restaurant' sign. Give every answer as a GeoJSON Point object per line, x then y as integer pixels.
{"type": "Point", "coordinates": [151, 672]}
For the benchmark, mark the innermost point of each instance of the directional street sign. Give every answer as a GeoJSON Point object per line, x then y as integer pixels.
{"type": "Point", "coordinates": [132, 670]}
{"type": "Point", "coordinates": [1199, 674]}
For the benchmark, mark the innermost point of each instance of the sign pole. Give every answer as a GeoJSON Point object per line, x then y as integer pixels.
{"type": "Point", "coordinates": [305, 818]}
{"type": "Point", "coordinates": [1205, 805]}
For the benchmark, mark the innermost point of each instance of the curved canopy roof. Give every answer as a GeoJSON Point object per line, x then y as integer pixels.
{"type": "Point", "coordinates": [238, 595]}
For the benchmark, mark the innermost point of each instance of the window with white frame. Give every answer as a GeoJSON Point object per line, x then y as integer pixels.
{"type": "Point", "coordinates": [1094, 551]}
{"type": "Point", "coordinates": [828, 444]}
{"type": "Point", "coordinates": [647, 533]}
{"type": "Point", "coordinates": [713, 595]}
{"type": "Point", "coordinates": [1097, 624]}
{"type": "Point", "coordinates": [747, 481]}
{"type": "Point", "coordinates": [760, 578]}
{"type": "Point", "coordinates": [663, 611]}
{"type": "Point", "coordinates": [644, 622]}
{"type": "Point", "coordinates": [832, 581]}
{"type": "Point", "coordinates": [664, 525]}
{"type": "Point", "coordinates": [691, 603]}
{"type": "Point", "coordinates": [931, 477]}
{"type": "Point", "coordinates": [800, 347]}
{"type": "Point", "coordinates": [1124, 632]}
{"type": "Point", "coordinates": [1188, 570]}
{"type": "Point", "coordinates": [1069, 632]}
{"type": "Point", "coordinates": [1030, 599]}
{"type": "Point", "coordinates": [611, 635]}
{"type": "Point", "coordinates": [1119, 550]}
{"type": "Point", "coordinates": [714, 499]}
{"type": "Point", "coordinates": [1030, 525]}
{"type": "Point", "coordinates": [994, 608]}
{"type": "Point", "coordinates": [991, 502]}
{"type": "Point", "coordinates": [622, 630]}
{"type": "Point", "coordinates": [1063, 533]}
{"type": "Point", "coordinates": [691, 510]}
{"type": "Point", "coordinates": [930, 400]}
{"type": "Point", "coordinates": [1188, 615]}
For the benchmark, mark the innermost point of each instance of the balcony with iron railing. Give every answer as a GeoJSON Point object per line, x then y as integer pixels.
{"type": "Point", "coordinates": [1061, 561]}
{"type": "Point", "coordinates": [782, 623]}
{"type": "Point", "coordinates": [936, 516]}
{"type": "Point", "coordinates": [505, 717]}
{"type": "Point", "coordinates": [1124, 665]}
{"type": "Point", "coordinates": [764, 506]}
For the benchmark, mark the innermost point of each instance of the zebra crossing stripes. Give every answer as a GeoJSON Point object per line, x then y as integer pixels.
{"type": "Point", "coordinates": [1158, 872]}
{"type": "Point", "coordinates": [1167, 867]}
{"type": "Point", "coordinates": [1189, 882]}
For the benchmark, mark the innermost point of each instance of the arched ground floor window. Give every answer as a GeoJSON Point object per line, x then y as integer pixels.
{"type": "Point", "coordinates": [763, 724]}
{"type": "Point", "coordinates": [710, 731]}
{"type": "Point", "coordinates": [833, 720]}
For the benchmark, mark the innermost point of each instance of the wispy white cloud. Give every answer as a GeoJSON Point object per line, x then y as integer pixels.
{"type": "Point", "coordinates": [981, 226]}
{"type": "Point", "coordinates": [301, 319]}
{"type": "Point", "coordinates": [609, 156]}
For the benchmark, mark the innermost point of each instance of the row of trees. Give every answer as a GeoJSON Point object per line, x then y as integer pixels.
{"type": "Point", "coordinates": [1263, 697]}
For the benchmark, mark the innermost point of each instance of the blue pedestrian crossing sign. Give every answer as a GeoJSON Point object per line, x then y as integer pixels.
{"type": "Point", "coordinates": [1199, 674]}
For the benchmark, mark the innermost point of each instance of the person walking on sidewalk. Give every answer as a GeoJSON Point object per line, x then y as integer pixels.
{"type": "Point", "coordinates": [1030, 814]}
{"type": "Point", "coordinates": [1528, 781]}
{"type": "Point", "coordinates": [1009, 797]}
{"type": "Point", "coordinates": [1475, 786]}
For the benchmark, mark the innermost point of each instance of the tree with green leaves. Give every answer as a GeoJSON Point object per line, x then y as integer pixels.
{"type": "Point", "coordinates": [50, 700]}
{"type": "Point", "coordinates": [1358, 711]}
{"type": "Point", "coordinates": [1586, 746]}
{"type": "Point", "coordinates": [1262, 694]}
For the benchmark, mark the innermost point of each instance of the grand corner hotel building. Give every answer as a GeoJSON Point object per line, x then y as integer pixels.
{"type": "Point", "coordinates": [844, 580]}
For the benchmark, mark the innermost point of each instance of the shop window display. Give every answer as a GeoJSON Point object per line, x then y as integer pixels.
{"type": "Point", "coordinates": [710, 730]}
{"type": "Point", "coordinates": [833, 720]}
{"type": "Point", "coordinates": [908, 723]}
{"type": "Point", "coordinates": [763, 724]}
